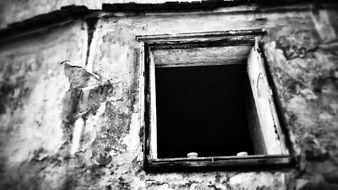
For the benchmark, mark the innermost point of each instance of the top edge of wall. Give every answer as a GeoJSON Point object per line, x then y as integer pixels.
{"type": "Point", "coordinates": [74, 12]}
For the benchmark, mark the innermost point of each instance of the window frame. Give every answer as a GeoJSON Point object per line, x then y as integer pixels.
{"type": "Point", "coordinates": [191, 40]}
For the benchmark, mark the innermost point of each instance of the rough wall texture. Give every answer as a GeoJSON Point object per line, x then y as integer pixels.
{"type": "Point", "coordinates": [34, 104]}
{"type": "Point", "coordinates": [18, 10]}
{"type": "Point", "coordinates": [73, 122]}
{"type": "Point", "coordinates": [304, 66]}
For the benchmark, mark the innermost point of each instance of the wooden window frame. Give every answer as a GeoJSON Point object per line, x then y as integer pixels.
{"type": "Point", "coordinates": [258, 80]}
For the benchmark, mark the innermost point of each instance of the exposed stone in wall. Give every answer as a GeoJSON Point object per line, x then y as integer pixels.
{"type": "Point", "coordinates": [71, 118]}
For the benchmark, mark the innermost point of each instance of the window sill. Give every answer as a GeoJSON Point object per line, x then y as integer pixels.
{"type": "Point", "coordinates": [258, 162]}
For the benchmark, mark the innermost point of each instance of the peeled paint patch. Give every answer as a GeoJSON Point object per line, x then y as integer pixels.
{"type": "Point", "coordinates": [77, 131]}
{"type": "Point", "coordinates": [251, 180]}
{"type": "Point", "coordinates": [108, 66]}
{"type": "Point", "coordinates": [299, 107]}
{"type": "Point", "coordinates": [91, 128]}
{"type": "Point", "coordinates": [132, 140]}
{"type": "Point", "coordinates": [274, 54]}
{"type": "Point", "coordinates": [323, 25]}
{"type": "Point", "coordinates": [55, 177]}
{"type": "Point", "coordinates": [183, 179]}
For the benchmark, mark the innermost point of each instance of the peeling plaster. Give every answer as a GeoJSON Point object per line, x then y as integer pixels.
{"type": "Point", "coordinates": [66, 124]}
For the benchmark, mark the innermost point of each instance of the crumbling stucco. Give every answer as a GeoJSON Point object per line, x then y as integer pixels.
{"type": "Point", "coordinates": [304, 67]}
{"type": "Point", "coordinates": [19, 10]}
{"type": "Point", "coordinates": [71, 114]}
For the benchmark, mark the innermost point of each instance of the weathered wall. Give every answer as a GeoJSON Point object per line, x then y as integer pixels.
{"type": "Point", "coordinates": [304, 64]}
{"type": "Point", "coordinates": [72, 122]}
{"type": "Point", "coordinates": [19, 10]}
{"type": "Point", "coordinates": [35, 104]}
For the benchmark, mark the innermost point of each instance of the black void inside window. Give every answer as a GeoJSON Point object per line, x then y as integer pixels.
{"type": "Point", "coordinates": [202, 109]}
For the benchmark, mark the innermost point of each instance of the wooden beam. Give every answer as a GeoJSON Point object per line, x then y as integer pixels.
{"type": "Point", "coordinates": [211, 34]}
{"type": "Point", "coordinates": [153, 116]}
{"type": "Point", "coordinates": [221, 162]}
{"type": "Point", "coordinates": [264, 103]}
{"type": "Point", "coordinates": [201, 56]}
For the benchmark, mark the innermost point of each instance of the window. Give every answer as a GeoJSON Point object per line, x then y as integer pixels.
{"type": "Point", "coordinates": [201, 109]}
{"type": "Point", "coordinates": [208, 102]}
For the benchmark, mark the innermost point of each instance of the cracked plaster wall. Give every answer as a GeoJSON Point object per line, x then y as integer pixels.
{"type": "Point", "coordinates": [18, 10]}
{"type": "Point", "coordinates": [69, 123]}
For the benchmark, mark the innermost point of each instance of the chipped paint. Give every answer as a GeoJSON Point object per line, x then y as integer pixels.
{"type": "Point", "coordinates": [66, 124]}
{"type": "Point", "coordinates": [76, 135]}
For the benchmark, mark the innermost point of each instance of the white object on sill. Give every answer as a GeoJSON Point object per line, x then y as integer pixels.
{"type": "Point", "coordinates": [192, 155]}
{"type": "Point", "coordinates": [242, 154]}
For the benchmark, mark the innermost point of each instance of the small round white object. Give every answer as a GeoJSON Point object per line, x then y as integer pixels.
{"type": "Point", "coordinates": [242, 154]}
{"type": "Point", "coordinates": [192, 155]}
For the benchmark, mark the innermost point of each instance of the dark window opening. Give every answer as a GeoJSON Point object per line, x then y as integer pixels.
{"type": "Point", "coordinates": [209, 95]}
{"type": "Point", "coordinates": [202, 109]}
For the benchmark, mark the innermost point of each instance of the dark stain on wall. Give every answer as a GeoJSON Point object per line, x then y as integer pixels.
{"type": "Point", "coordinates": [91, 25]}
{"type": "Point", "coordinates": [298, 43]}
